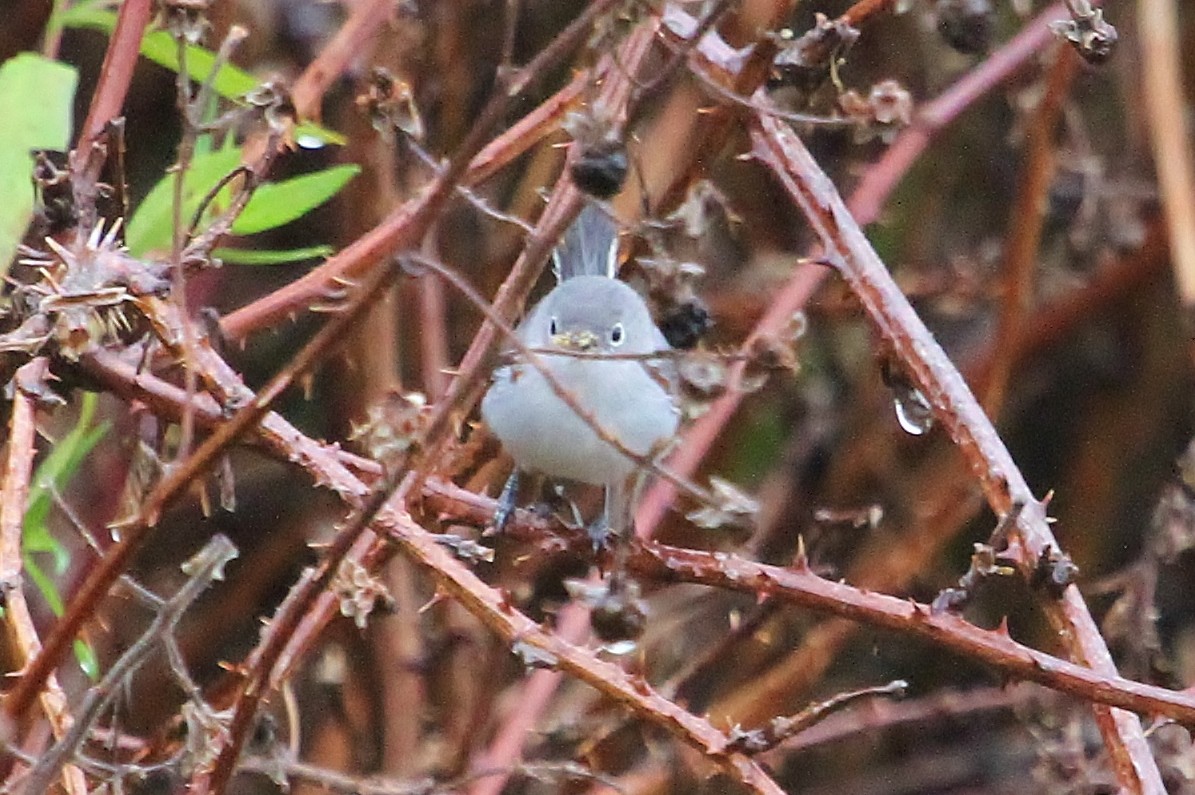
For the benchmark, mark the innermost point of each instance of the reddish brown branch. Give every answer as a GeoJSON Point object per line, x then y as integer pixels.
{"type": "Point", "coordinates": [955, 407]}
{"type": "Point", "coordinates": [116, 73]}
{"type": "Point", "coordinates": [347, 45]}
{"type": "Point", "coordinates": [1026, 221]}
{"type": "Point", "coordinates": [865, 203]}
{"type": "Point", "coordinates": [405, 226]}
{"type": "Point", "coordinates": [801, 586]}
{"type": "Point", "coordinates": [14, 495]}
{"type": "Point", "coordinates": [882, 178]}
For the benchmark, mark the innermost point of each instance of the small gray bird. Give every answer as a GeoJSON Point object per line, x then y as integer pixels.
{"type": "Point", "coordinates": [589, 311]}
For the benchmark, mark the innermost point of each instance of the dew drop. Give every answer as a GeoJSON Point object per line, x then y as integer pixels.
{"type": "Point", "coordinates": [308, 141]}
{"type": "Point", "coordinates": [913, 411]}
{"type": "Point", "coordinates": [620, 648]}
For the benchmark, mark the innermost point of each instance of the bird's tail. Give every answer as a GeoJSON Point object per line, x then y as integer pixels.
{"type": "Point", "coordinates": [589, 247]}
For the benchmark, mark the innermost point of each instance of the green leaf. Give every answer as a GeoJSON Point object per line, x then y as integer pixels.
{"type": "Point", "coordinates": [279, 203]}
{"type": "Point", "coordinates": [36, 97]}
{"type": "Point", "coordinates": [85, 654]}
{"type": "Point", "coordinates": [152, 226]}
{"type": "Point", "coordinates": [47, 587]}
{"type": "Point", "coordinates": [273, 204]}
{"type": "Point", "coordinates": [230, 82]}
{"type": "Point", "coordinates": [248, 256]}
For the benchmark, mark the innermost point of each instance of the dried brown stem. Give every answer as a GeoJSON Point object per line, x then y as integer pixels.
{"type": "Point", "coordinates": [1026, 221]}
{"type": "Point", "coordinates": [346, 46]}
{"type": "Point", "coordinates": [1165, 102]}
{"type": "Point", "coordinates": [206, 565]}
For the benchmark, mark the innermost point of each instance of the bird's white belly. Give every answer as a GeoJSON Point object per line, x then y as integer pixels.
{"type": "Point", "coordinates": [543, 434]}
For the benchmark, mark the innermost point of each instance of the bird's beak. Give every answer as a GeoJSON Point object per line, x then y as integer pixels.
{"type": "Point", "coordinates": [575, 340]}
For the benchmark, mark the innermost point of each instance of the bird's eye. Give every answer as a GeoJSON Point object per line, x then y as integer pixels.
{"type": "Point", "coordinates": [552, 326]}
{"type": "Point", "coordinates": [617, 334]}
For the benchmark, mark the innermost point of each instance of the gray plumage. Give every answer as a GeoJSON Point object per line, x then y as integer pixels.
{"type": "Point", "coordinates": [592, 312]}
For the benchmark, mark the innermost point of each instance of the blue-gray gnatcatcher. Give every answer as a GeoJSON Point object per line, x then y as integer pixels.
{"type": "Point", "coordinates": [588, 312]}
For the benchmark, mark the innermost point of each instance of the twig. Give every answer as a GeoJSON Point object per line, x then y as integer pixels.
{"type": "Point", "coordinates": [949, 707]}
{"type": "Point", "coordinates": [954, 405]}
{"type": "Point", "coordinates": [882, 178]}
{"type": "Point", "coordinates": [346, 46]}
{"type": "Point", "coordinates": [373, 785]}
{"type": "Point", "coordinates": [116, 73]}
{"type": "Point", "coordinates": [780, 729]}
{"type": "Point", "coordinates": [1026, 220]}
{"type": "Point", "coordinates": [14, 495]}
{"type": "Point", "coordinates": [207, 565]}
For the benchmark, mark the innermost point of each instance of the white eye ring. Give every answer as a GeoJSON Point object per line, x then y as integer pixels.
{"type": "Point", "coordinates": [552, 326]}
{"type": "Point", "coordinates": [617, 335]}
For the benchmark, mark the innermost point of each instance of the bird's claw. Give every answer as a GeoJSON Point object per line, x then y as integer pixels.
{"type": "Point", "coordinates": [599, 533]}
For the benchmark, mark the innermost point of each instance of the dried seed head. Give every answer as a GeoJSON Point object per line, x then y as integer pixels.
{"type": "Point", "coordinates": [390, 105]}
{"type": "Point", "coordinates": [601, 165]}
{"type": "Point", "coordinates": [1092, 36]}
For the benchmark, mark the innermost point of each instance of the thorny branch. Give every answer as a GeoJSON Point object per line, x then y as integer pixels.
{"type": "Point", "coordinates": [379, 508]}
{"type": "Point", "coordinates": [954, 405]}
{"type": "Point", "coordinates": [14, 491]}
{"type": "Point", "coordinates": [204, 568]}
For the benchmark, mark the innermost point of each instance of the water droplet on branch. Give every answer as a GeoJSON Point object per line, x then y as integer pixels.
{"type": "Point", "coordinates": [913, 412]}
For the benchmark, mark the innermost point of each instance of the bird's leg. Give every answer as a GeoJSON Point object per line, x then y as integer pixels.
{"type": "Point", "coordinates": [506, 501]}
{"type": "Point", "coordinates": [616, 519]}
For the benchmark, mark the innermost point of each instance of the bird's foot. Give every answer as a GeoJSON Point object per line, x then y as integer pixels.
{"type": "Point", "coordinates": [600, 534]}
{"type": "Point", "coordinates": [506, 502]}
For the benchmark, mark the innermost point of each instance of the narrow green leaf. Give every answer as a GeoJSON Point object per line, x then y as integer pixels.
{"type": "Point", "coordinates": [248, 256]}
{"type": "Point", "coordinates": [46, 585]}
{"type": "Point", "coordinates": [152, 226]}
{"type": "Point", "coordinates": [279, 203]}
{"type": "Point", "coordinates": [51, 475]}
{"type": "Point", "coordinates": [88, 662]}
{"type": "Point", "coordinates": [231, 83]}
{"type": "Point", "coordinates": [84, 653]}
{"type": "Point", "coordinates": [36, 96]}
